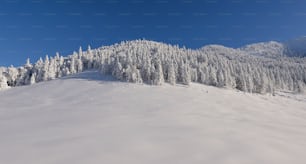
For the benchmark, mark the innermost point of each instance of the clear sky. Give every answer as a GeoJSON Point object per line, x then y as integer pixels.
{"type": "Point", "coordinates": [34, 28]}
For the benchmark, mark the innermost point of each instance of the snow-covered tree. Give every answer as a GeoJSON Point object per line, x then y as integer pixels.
{"type": "Point", "coordinates": [33, 80]}
{"type": "Point", "coordinates": [117, 70]}
{"type": "Point", "coordinates": [12, 76]}
{"type": "Point", "coordinates": [171, 74]}
{"type": "Point", "coordinates": [72, 66]}
{"type": "Point", "coordinates": [45, 70]}
{"type": "Point", "coordinates": [39, 69]}
{"type": "Point", "coordinates": [79, 65]}
{"type": "Point", "coordinates": [52, 69]}
{"type": "Point", "coordinates": [28, 63]}
{"type": "Point", "coordinates": [212, 76]}
{"type": "Point", "coordinates": [220, 78]}
{"type": "Point", "coordinates": [157, 72]}
{"type": "Point", "coordinates": [80, 53]}
{"type": "Point", "coordinates": [3, 81]}
{"type": "Point", "coordinates": [186, 78]}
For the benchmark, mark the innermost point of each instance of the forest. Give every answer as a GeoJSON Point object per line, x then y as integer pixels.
{"type": "Point", "coordinates": [154, 63]}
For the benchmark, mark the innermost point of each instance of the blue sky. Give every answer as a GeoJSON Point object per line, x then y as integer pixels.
{"type": "Point", "coordinates": [34, 28]}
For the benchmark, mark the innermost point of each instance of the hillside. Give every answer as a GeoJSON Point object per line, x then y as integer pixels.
{"type": "Point", "coordinates": [270, 49]}
{"type": "Point", "coordinates": [89, 118]}
{"type": "Point", "coordinates": [257, 68]}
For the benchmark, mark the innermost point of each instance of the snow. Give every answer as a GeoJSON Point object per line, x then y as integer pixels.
{"type": "Point", "coordinates": [257, 68]}
{"type": "Point", "coordinates": [266, 49]}
{"type": "Point", "coordinates": [89, 118]}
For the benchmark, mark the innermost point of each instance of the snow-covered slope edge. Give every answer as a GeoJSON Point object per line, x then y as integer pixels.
{"type": "Point", "coordinates": [88, 118]}
{"type": "Point", "coordinates": [149, 62]}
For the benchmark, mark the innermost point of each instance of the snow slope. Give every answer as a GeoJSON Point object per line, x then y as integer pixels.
{"type": "Point", "coordinates": [266, 49]}
{"type": "Point", "coordinates": [87, 118]}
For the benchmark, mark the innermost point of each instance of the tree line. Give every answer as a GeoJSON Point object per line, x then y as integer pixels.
{"type": "Point", "coordinates": [155, 63]}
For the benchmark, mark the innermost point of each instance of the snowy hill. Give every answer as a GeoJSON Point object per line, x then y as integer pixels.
{"type": "Point", "coordinates": [258, 68]}
{"type": "Point", "coordinates": [89, 118]}
{"type": "Point", "coordinates": [272, 49]}
{"type": "Point", "coordinates": [266, 49]}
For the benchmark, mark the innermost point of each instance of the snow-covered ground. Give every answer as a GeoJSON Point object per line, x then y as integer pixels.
{"type": "Point", "coordinates": [91, 119]}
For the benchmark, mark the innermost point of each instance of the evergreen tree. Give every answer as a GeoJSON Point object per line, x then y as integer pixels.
{"type": "Point", "coordinates": [32, 80]}
{"type": "Point", "coordinates": [12, 76]}
{"type": "Point", "coordinates": [45, 71]}
{"type": "Point", "coordinates": [72, 65]}
{"type": "Point", "coordinates": [38, 68]}
{"type": "Point", "coordinates": [117, 70]}
{"type": "Point", "coordinates": [220, 78]}
{"type": "Point", "coordinates": [171, 74]}
{"type": "Point", "coordinates": [3, 81]}
{"type": "Point", "coordinates": [158, 76]}
{"type": "Point", "coordinates": [28, 63]}
{"type": "Point", "coordinates": [212, 76]}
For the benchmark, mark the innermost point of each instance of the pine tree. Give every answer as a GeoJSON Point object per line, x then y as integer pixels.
{"type": "Point", "coordinates": [146, 69]}
{"type": "Point", "coordinates": [212, 76]}
{"type": "Point", "coordinates": [79, 65]}
{"type": "Point", "coordinates": [204, 74]}
{"type": "Point", "coordinates": [158, 75]}
{"type": "Point", "coordinates": [241, 84]}
{"type": "Point", "coordinates": [45, 71]}
{"type": "Point", "coordinates": [80, 53]}
{"type": "Point", "coordinates": [89, 64]}
{"type": "Point", "coordinates": [249, 83]}
{"type": "Point", "coordinates": [33, 77]}
{"type": "Point", "coordinates": [12, 76]}
{"type": "Point", "coordinates": [72, 65]}
{"type": "Point", "coordinates": [3, 81]}
{"type": "Point", "coordinates": [171, 74]}
{"type": "Point", "coordinates": [28, 63]}
{"type": "Point", "coordinates": [186, 78]}
{"type": "Point", "coordinates": [52, 69]}
{"type": "Point", "coordinates": [117, 70]}
{"type": "Point", "coordinates": [263, 86]}
{"type": "Point", "coordinates": [23, 77]}
{"type": "Point", "coordinates": [38, 68]}
{"type": "Point", "coordinates": [220, 78]}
